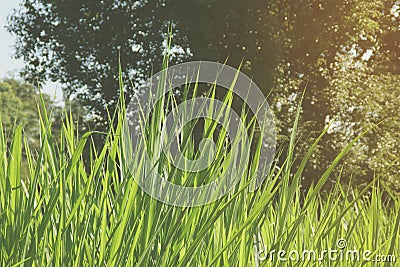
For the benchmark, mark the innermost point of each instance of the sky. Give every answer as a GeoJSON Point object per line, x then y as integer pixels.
{"type": "Point", "coordinates": [9, 66]}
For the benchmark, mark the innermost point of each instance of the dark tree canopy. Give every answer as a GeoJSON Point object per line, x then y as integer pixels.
{"type": "Point", "coordinates": [78, 43]}
{"type": "Point", "coordinates": [286, 46]}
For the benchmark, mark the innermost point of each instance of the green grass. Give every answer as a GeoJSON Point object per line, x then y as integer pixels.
{"type": "Point", "coordinates": [66, 214]}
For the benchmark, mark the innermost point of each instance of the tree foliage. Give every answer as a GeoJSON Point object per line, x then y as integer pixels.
{"type": "Point", "coordinates": [345, 53]}
{"type": "Point", "coordinates": [80, 43]}
{"type": "Point", "coordinates": [18, 105]}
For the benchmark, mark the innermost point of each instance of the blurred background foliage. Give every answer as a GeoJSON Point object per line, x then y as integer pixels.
{"type": "Point", "coordinates": [19, 102]}
{"type": "Point", "coordinates": [344, 53]}
{"type": "Point", "coordinates": [18, 106]}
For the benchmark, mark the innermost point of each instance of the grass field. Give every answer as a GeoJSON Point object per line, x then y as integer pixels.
{"type": "Point", "coordinates": [79, 210]}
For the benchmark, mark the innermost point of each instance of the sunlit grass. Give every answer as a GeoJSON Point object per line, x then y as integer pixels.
{"type": "Point", "coordinates": [65, 214]}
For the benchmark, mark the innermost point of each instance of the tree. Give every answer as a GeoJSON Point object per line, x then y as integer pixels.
{"type": "Point", "coordinates": [79, 43]}
{"type": "Point", "coordinates": [369, 99]}
{"type": "Point", "coordinates": [18, 105]}
{"type": "Point", "coordinates": [286, 46]}
{"type": "Point", "coordinates": [289, 46]}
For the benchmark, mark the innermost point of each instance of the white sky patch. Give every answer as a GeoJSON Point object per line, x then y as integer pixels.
{"type": "Point", "coordinates": [353, 50]}
{"type": "Point", "coordinates": [367, 55]}
{"type": "Point", "coordinates": [396, 9]}
{"type": "Point", "coordinates": [136, 48]}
